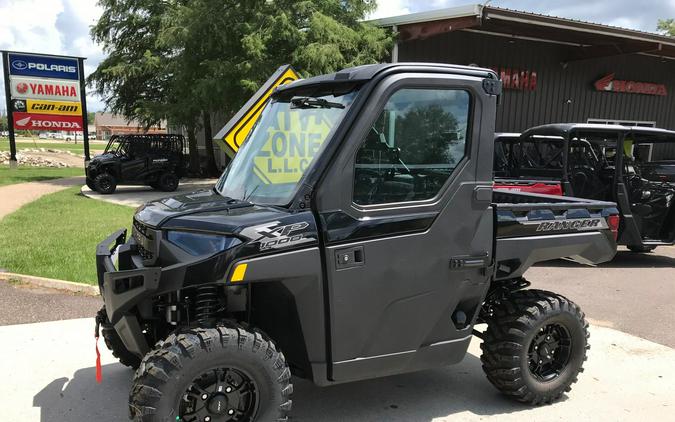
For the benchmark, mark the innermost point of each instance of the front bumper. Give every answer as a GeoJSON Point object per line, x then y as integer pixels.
{"type": "Point", "coordinates": [123, 289]}
{"type": "Point", "coordinates": [129, 289]}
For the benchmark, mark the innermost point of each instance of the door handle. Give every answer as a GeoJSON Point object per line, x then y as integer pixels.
{"type": "Point", "coordinates": [469, 261]}
{"type": "Point", "coordinates": [349, 257]}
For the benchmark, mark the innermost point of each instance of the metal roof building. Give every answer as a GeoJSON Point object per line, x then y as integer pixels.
{"type": "Point", "coordinates": [553, 69]}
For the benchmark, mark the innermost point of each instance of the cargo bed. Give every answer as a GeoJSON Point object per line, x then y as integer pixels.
{"type": "Point", "coordinates": [534, 227]}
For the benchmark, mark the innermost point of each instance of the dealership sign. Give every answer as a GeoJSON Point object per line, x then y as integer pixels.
{"type": "Point", "coordinates": [65, 108]}
{"type": "Point", "coordinates": [518, 79]}
{"type": "Point", "coordinates": [608, 83]}
{"type": "Point", "coordinates": [43, 66]}
{"type": "Point", "coordinates": [44, 89]}
{"type": "Point", "coordinates": [28, 121]}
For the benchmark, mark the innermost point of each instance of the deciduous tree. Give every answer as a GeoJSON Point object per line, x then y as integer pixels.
{"type": "Point", "coordinates": [185, 60]}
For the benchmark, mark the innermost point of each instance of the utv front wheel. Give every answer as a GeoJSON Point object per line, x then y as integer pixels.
{"type": "Point", "coordinates": [219, 374]}
{"type": "Point", "coordinates": [535, 346]}
{"type": "Point", "coordinates": [105, 183]}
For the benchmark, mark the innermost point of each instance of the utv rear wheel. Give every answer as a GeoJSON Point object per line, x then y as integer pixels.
{"type": "Point", "coordinates": [90, 184]}
{"type": "Point", "coordinates": [114, 343]}
{"type": "Point", "coordinates": [167, 182]}
{"type": "Point", "coordinates": [535, 346]}
{"type": "Point", "coordinates": [641, 248]}
{"type": "Point", "coordinates": [219, 374]}
{"type": "Point", "coordinates": [105, 183]}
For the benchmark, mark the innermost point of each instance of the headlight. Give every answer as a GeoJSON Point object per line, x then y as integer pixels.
{"type": "Point", "coordinates": [201, 244]}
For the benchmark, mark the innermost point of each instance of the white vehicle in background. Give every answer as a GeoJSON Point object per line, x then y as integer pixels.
{"type": "Point", "coordinates": [43, 135]}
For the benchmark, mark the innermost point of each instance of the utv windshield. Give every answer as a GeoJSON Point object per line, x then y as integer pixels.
{"type": "Point", "coordinates": [116, 146]}
{"type": "Point", "coordinates": [289, 135]}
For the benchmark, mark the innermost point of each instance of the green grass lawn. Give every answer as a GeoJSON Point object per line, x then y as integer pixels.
{"type": "Point", "coordinates": [56, 236]}
{"type": "Point", "coordinates": [33, 174]}
{"type": "Point", "coordinates": [63, 146]}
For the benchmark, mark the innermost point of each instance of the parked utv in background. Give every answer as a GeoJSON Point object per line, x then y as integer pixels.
{"type": "Point", "coordinates": [153, 160]}
{"type": "Point", "coordinates": [355, 235]}
{"type": "Point", "coordinates": [604, 162]}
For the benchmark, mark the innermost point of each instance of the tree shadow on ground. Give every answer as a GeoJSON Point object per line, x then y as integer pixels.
{"type": "Point", "coordinates": [420, 396]}
{"type": "Point", "coordinates": [623, 259]}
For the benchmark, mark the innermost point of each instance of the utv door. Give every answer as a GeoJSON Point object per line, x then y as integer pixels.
{"type": "Point", "coordinates": [134, 162]}
{"type": "Point", "coordinates": [407, 224]}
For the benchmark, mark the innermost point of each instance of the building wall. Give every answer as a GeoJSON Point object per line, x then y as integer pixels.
{"type": "Point", "coordinates": [564, 93]}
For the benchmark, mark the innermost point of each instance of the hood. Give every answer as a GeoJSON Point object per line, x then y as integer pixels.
{"type": "Point", "coordinates": [102, 158]}
{"type": "Point", "coordinates": [205, 210]}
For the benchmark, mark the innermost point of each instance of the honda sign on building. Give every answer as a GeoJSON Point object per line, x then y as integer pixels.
{"type": "Point", "coordinates": [44, 93]}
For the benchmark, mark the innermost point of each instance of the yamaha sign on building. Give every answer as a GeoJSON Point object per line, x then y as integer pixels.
{"type": "Point", "coordinates": [44, 92]}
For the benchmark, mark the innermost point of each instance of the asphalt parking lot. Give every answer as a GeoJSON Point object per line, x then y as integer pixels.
{"type": "Point", "coordinates": [50, 365]}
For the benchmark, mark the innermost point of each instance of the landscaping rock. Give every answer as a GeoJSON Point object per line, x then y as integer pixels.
{"type": "Point", "coordinates": [29, 160]}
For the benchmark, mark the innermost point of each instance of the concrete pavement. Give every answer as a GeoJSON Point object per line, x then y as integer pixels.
{"type": "Point", "coordinates": [13, 197]}
{"type": "Point", "coordinates": [634, 293]}
{"type": "Point", "coordinates": [49, 375]}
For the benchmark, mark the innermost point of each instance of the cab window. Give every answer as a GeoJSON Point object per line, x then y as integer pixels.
{"type": "Point", "coordinates": [413, 146]}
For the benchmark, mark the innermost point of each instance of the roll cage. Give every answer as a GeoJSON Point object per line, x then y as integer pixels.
{"type": "Point", "coordinates": [612, 153]}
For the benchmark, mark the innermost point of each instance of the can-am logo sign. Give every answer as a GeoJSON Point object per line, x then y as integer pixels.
{"type": "Point", "coordinates": [43, 66]}
{"type": "Point", "coordinates": [608, 83]}
{"type": "Point", "coordinates": [26, 121]}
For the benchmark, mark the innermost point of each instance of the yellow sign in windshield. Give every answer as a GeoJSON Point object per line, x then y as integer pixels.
{"type": "Point", "coordinates": [292, 142]}
{"type": "Point", "coordinates": [233, 135]}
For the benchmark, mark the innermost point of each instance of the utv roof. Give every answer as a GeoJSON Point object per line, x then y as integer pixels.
{"type": "Point", "coordinates": [561, 129]}
{"type": "Point", "coordinates": [360, 74]}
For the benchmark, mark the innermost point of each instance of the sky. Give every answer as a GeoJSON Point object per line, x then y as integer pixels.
{"type": "Point", "coordinates": [62, 26]}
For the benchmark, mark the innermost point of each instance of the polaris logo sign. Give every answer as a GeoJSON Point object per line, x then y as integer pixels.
{"type": "Point", "coordinates": [43, 66]}
{"type": "Point", "coordinates": [21, 65]}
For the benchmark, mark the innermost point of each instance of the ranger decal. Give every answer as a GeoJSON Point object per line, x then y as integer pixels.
{"type": "Point", "coordinates": [580, 224]}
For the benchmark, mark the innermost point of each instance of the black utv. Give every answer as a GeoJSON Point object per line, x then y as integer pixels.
{"type": "Point", "coordinates": [355, 235]}
{"type": "Point", "coordinates": [154, 160]}
{"type": "Point", "coordinates": [626, 165]}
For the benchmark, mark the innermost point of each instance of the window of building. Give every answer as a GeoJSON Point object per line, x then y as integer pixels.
{"type": "Point", "coordinates": [413, 146]}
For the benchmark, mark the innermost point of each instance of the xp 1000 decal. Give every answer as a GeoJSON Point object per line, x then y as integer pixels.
{"type": "Point", "coordinates": [274, 236]}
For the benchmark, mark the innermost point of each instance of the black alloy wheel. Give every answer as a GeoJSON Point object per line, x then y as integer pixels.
{"type": "Point", "coordinates": [222, 374]}
{"type": "Point", "coordinates": [105, 183]}
{"type": "Point", "coordinates": [167, 182]}
{"type": "Point", "coordinates": [221, 394]}
{"type": "Point", "coordinates": [535, 346]}
{"type": "Point", "coordinates": [549, 352]}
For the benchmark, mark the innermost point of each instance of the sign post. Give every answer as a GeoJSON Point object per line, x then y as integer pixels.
{"type": "Point", "coordinates": [44, 92]}
{"type": "Point", "coordinates": [10, 120]}
{"type": "Point", "coordinates": [85, 120]}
